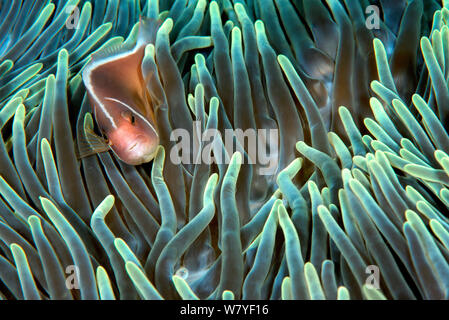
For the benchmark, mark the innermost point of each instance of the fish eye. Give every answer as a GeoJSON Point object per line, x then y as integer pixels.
{"type": "Point", "coordinates": [129, 116]}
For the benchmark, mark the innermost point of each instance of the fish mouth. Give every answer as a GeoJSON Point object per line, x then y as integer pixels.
{"type": "Point", "coordinates": [139, 138]}
{"type": "Point", "coordinates": [133, 146]}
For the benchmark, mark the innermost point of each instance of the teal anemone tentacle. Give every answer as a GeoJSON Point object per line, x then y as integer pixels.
{"type": "Point", "coordinates": [347, 249]}
{"type": "Point", "coordinates": [9, 276]}
{"type": "Point", "coordinates": [106, 238]}
{"type": "Point", "coordinates": [327, 166]}
{"type": "Point", "coordinates": [178, 110]}
{"type": "Point", "coordinates": [70, 176]}
{"type": "Point", "coordinates": [232, 265]}
{"type": "Point", "coordinates": [54, 272]}
{"type": "Point", "coordinates": [317, 129]}
{"type": "Point", "coordinates": [55, 190]}
{"type": "Point", "coordinates": [286, 114]}
{"type": "Point", "coordinates": [104, 285]}
{"type": "Point", "coordinates": [168, 215]}
{"type": "Point", "coordinates": [30, 291]}
{"type": "Point", "coordinates": [141, 216]}
{"type": "Point", "coordinates": [319, 236]}
{"type": "Point", "coordinates": [293, 255]}
{"type": "Point", "coordinates": [45, 128]}
{"type": "Point", "coordinates": [145, 288]}
{"type": "Point", "coordinates": [49, 32]}
{"type": "Point", "coordinates": [31, 182]}
{"type": "Point", "coordinates": [133, 177]}
{"type": "Point", "coordinates": [314, 286]}
{"type": "Point", "coordinates": [173, 173]}
{"type": "Point", "coordinates": [254, 279]}
{"type": "Point", "coordinates": [84, 271]}
{"type": "Point", "coordinates": [222, 61]}
{"type": "Point", "coordinates": [328, 280]}
{"type": "Point", "coordinates": [184, 290]}
{"type": "Point", "coordinates": [300, 216]}
{"type": "Point", "coordinates": [180, 242]}
{"type": "Point", "coordinates": [429, 283]}
{"type": "Point", "coordinates": [9, 237]}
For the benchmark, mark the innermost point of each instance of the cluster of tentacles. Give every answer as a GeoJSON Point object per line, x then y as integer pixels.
{"type": "Point", "coordinates": [362, 168]}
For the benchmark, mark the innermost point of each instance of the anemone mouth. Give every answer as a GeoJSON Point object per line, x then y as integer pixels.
{"type": "Point", "coordinates": [364, 191]}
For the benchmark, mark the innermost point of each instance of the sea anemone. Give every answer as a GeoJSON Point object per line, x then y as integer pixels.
{"type": "Point", "coordinates": [355, 207]}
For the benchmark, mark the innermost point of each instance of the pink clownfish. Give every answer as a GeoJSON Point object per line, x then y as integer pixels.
{"type": "Point", "coordinates": [120, 100]}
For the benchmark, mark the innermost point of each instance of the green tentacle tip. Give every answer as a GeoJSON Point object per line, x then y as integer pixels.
{"type": "Point", "coordinates": [343, 294]}
{"type": "Point", "coordinates": [372, 293]}
{"type": "Point", "coordinates": [145, 288]}
{"type": "Point", "coordinates": [150, 51]}
{"type": "Point", "coordinates": [184, 289]}
{"type": "Point", "coordinates": [104, 284]}
{"type": "Point", "coordinates": [228, 295]}
{"type": "Point", "coordinates": [167, 26]}
{"type": "Point", "coordinates": [104, 207]}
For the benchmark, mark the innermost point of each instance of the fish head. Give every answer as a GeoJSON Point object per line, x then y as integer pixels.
{"type": "Point", "coordinates": [130, 135]}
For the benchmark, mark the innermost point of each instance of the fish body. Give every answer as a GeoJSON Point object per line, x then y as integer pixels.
{"type": "Point", "coordinates": [121, 104]}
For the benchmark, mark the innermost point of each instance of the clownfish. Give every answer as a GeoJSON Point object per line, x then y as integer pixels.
{"type": "Point", "coordinates": [120, 100]}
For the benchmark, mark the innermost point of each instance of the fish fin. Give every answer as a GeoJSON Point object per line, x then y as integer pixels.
{"type": "Point", "coordinates": [146, 34]}
{"type": "Point", "coordinates": [90, 143]}
{"type": "Point", "coordinates": [110, 51]}
{"type": "Point", "coordinates": [85, 150]}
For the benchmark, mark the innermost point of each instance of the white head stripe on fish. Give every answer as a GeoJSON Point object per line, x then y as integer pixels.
{"type": "Point", "coordinates": [107, 114]}
{"type": "Point", "coordinates": [87, 72]}
{"type": "Point", "coordinates": [132, 111]}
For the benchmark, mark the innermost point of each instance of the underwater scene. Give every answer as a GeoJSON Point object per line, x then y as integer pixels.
{"type": "Point", "coordinates": [224, 150]}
